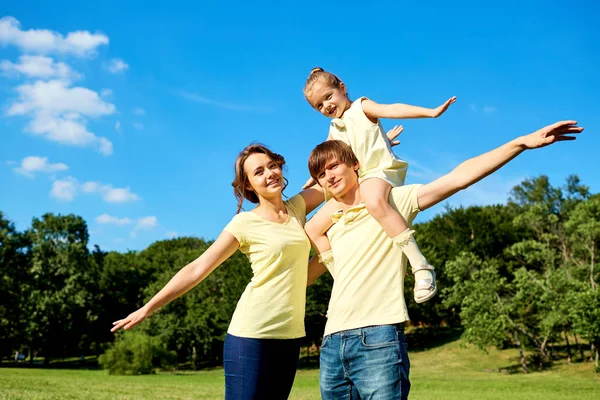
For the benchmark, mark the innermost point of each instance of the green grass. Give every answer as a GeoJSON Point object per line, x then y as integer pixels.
{"type": "Point", "coordinates": [446, 372]}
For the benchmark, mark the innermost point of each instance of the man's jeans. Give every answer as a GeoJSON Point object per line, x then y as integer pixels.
{"type": "Point", "coordinates": [365, 363]}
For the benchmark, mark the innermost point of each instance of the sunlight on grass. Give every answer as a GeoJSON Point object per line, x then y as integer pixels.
{"type": "Point", "coordinates": [451, 371]}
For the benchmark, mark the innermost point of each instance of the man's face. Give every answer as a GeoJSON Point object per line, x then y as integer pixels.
{"type": "Point", "coordinates": [338, 178]}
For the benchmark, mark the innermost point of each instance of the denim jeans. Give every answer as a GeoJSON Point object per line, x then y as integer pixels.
{"type": "Point", "coordinates": [366, 363]}
{"type": "Point", "coordinates": [259, 368]}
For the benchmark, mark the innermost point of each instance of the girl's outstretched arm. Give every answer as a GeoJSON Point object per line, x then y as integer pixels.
{"type": "Point", "coordinates": [188, 277]}
{"type": "Point", "coordinates": [402, 111]}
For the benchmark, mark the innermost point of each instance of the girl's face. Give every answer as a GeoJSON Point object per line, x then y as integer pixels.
{"type": "Point", "coordinates": [330, 101]}
{"type": "Point", "coordinates": [265, 177]}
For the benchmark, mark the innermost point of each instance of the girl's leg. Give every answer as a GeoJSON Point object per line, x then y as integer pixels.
{"type": "Point", "coordinates": [374, 193]}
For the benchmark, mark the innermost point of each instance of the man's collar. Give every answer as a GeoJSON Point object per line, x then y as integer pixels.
{"type": "Point", "coordinates": [339, 214]}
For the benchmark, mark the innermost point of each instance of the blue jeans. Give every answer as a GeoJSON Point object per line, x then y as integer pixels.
{"type": "Point", "coordinates": [365, 363]}
{"type": "Point", "coordinates": [259, 368]}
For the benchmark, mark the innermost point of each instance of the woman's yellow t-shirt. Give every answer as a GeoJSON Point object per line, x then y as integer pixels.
{"type": "Point", "coordinates": [272, 305]}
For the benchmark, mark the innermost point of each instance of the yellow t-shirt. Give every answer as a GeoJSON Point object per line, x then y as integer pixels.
{"type": "Point", "coordinates": [272, 305]}
{"type": "Point", "coordinates": [368, 269]}
{"type": "Point", "coordinates": [370, 145]}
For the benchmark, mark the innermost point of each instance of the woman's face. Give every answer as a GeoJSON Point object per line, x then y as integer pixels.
{"type": "Point", "coordinates": [265, 177]}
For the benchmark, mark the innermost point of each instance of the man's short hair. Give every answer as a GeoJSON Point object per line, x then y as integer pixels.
{"type": "Point", "coordinates": [327, 152]}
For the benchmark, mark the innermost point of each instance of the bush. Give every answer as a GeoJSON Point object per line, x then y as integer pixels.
{"type": "Point", "coordinates": [135, 353]}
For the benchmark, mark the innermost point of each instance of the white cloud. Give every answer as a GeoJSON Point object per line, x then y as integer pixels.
{"type": "Point", "coordinates": [32, 164]}
{"type": "Point", "coordinates": [39, 67]}
{"type": "Point", "coordinates": [110, 194]}
{"type": "Point", "coordinates": [147, 222]}
{"type": "Point", "coordinates": [144, 223]}
{"type": "Point", "coordinates": [68, 188]}
{"type": "Point", "coordinates": [109, 219]}
{"type": "Point", "coordinates": [171, 234]}
{"type": "Point", "coordinates": [106, 92]}
{"type": "Point", "coordinates": [141, 224]}
{"type": "Point", "coordinates": [10, 162]}
{"type": "Point", "coordinates": [118, 126]}
{"type": "Point", "coordinates": [55, 98]}
{"type": "Point", "coordinates": [139, 111]}
{"type": "Point", "coordinates": [42, 41]}
{"type": "Point", "coordinates": [58, 112]}
{"type": "Point", "coordinates": [229, 106]}
{"type": "Point", "coordinates": [138, 126]}
{"type": "Point", "coordinates": [117, 65]}
{"type": "Point", "coordinates": [64, 189]}
{"type": "Point", "coordinates": [486, 109]}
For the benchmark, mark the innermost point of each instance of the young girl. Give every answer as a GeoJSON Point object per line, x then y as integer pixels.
{"type": "Point", "coordinates": [357, 124]}
{"type": "Point", "coordinates": [263, 340]}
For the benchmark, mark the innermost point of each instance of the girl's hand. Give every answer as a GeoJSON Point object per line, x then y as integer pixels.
{"type": "Point", "coordinates": [442, 109]}
{"type": "Point", "coordinates": [394, 133]}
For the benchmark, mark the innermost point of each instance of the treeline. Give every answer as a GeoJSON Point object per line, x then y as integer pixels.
{"type": "Point", "coordinates": [521, 274]}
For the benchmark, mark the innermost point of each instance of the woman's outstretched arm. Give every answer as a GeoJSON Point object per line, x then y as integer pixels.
{"type": "Point", "coordinates": [188, 277]}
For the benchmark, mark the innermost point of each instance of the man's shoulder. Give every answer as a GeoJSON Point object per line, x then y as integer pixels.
{"type": "Point", "coordinates": [405, 200]}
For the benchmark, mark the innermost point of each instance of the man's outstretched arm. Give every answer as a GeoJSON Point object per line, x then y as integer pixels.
{"type": "Point", "coordinates": [477, 168]}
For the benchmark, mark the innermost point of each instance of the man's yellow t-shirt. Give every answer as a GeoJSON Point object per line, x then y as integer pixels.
{"type": "Point", "coordinates": [368, 267]}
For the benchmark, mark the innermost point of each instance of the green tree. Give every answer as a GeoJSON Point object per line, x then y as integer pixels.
{"type": "Point", "coordinates": [583, 226]}
{"type": "Point", "coordinates": [484, 231]}
{"type": "Point", "coordinates": [586, 318]}
{"type": "Point", "coordinates": [317, 301]}
{"type": "Point", "coordinates": [195, 324]}
{"type": "Point", "coordinates": [63, 286]}
{"type": "Point", "coordinates": [14, 281]}
{"type": "Point", "coordinates": [121, 284]}
{"type": "Point", "coordinates": [136, 353]}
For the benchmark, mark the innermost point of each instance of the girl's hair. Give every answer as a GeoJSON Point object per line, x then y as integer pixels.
{"type": "Point", "coordinates": [241, 188]}
{"type": "Point", "coordinates": [317, 74]}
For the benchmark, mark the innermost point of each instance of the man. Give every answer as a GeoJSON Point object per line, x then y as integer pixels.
{"type": "Point", "coordinates": [363, 354]}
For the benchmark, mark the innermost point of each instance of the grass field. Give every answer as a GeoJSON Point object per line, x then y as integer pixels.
{"type": "Point", "coordinates": [446, 372]}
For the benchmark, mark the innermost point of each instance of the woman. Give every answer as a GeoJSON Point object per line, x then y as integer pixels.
{"type": "Point", "coordinates": [263, 340]}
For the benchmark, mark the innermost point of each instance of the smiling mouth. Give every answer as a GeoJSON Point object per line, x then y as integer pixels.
{"type": "Point", "coordinates": [273, 183]}
{"type": "Point", "coordinates": [334, 184]}
{"type": "Point", "coordinates": [332, 110]}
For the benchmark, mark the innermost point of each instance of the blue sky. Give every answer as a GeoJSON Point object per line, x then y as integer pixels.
{"type": "Point", "coordinates": [130, 114]}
